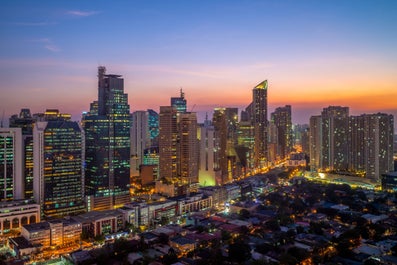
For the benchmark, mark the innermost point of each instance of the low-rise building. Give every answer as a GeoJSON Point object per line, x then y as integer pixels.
{"type": "Point", "coordinates": [52, 233]}
{"type": "Point", "coordinates": [15, 214]}
{"type": "Point", "coordinates": [21, 246]}
{"type": "Point", "coordinates": [182, 244]}
{"type": "Point", "coordinates": [37, 234]}
{"type": "Point", "coordinates": [100, 222]}
{"type": "Point", "coordinates": [194, 203]}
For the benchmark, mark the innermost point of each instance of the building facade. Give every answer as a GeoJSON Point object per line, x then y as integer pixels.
{"type": "Point", "coordinates": [58, 171]}
{"type": "Point", "coordinates": [188, 149]}
{"type": "Point", "coordinates": [140, 139]}
{"type": "Point", "coordinates": [360, 145]}
{"type": "Point", "coordinates": [107, 148]}
{"type": "Point", "coordinates": [207, 143]}
{"type": "Point", "coordinates": [25, 121]}
{"type": "Point", "coordinates": [168, 138]}
{"type": "Point", "coordinates": [260, 122]}
{"type": "Point", "coordinates": [281, 118]}
{"type": "Point", "coordinates": [15, 214]}
{"type": "Point", "coordinates": [11, 164]}
{"type": "Point", "coordinates": [335, 124]}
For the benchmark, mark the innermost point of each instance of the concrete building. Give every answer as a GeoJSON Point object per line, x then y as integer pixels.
{"type": "Point", "coordinates": [11, 164]}
{"type": "Point", "coordinates": [100, 222]}
{"type": "Point", "coordinates": [140, 139]}
{"type": "Point", "coordinates": [15, 214]}
{"type": "Point", "coordinates": [107, 145]}
{"type": "Point", "coordinates": [335, 125]}
{"type": "Point", "coordinates": [188, 150]}
{"type": "Point", "coordinates": [58, 172]}
{"type": "Point", "coordinates": [56, 232]}
{"type": "Point", "coordinates": [207, 143]}
{"type": "Point", "coordinates": [260, 122]}
{"type": "Point", "coordinates": [281, 118]}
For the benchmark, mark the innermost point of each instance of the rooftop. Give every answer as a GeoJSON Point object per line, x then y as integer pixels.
{"type": "Point", "coordinates": [96, 215]}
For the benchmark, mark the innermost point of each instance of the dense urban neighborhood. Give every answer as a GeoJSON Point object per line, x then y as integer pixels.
{"type": "Point", "coordinates": [276, 218]}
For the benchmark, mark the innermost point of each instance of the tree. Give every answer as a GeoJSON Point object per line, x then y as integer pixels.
{"type": "Point", "coordinates": [163, 238]}
{"type": "Point", "coordinates": [170, 257]}
{"type": "Point", "coordinates": [120, 246]}
{"type": "Point", "coordinates": [239, 252]}
{"type": "Point", "coordinates": [100, 238]}
{"type": "Point", "coordinates": [299, 253]}
{"type": "Point", "coordinates": [372, 262]}
{"type": "Point", "coordinates": [272, 225]}
{"type": "Point", "coordinates": [225, 235]}
{"type": "Point", "coordinates": [244, 214]}
{"type": "Point", "coordinates": [263, 248]}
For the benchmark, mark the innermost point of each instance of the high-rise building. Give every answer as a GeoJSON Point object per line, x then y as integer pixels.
{"type": "Point", "coordinates": [188, 149]}
{"type": "Point", "coordinates": [315, 139]}
{"type": "Point", "coordinates": [153, 120]}
{"type": "Point", "coordinates": [335, 125]}
{"type": "Point", "coordinates": [140, 139]}
{"type": "Point", "coordinates": [25, 121]}
{"type": "Point", "coordinates": [281, 117]}
{"type": "Point", "coordinates": [151, 158]}
{"type": "Point", "coordinates": [11, 164]}
{"type": "Point", "coordinates": [362, 145]}
{"type": "Point", "coordinates": [179, 103]}
{"type": "Point", "coordinates": [301, 137]}
{"type": "Point", "coordinates": [245, 145]}
{"type": "Point", "coordinates": [371, 145]}
{"type": "Point", "coordinates": [107, 133]}
{"type": "Point", "coordinates": [260, 122]}
{"type": "Point", "coordinates": [207, 143]}
{"type": "Point", "coordinates": [58, 154]}
{"type": "Point", "coordinates": [168, 138]}
{"type": "Point", "coordinates": [220, 125]}
{"type": "Point", "coordinates": [178, 147]}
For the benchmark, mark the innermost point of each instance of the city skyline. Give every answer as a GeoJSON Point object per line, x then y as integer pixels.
{"type": "Point", "coordinates": [314, 54]}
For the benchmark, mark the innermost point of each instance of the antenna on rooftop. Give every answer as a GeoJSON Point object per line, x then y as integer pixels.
{"type": "Point", "coordinates": [182, 94]}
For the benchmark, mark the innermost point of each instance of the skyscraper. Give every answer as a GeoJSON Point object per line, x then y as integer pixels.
{"type": "Point", "coordinates": [245, 144]}
{"type": "Point", "coordinates": [11, 163]}
{"type": "Point", "coordinates": [260, 122]}
{"type": "Point", "coordinates": [179, 103]}
{"type": "Point", "coordinates": [140, 139]}
{"type": "Point", "coordinates": [315, 143]}
{"type": "Point", "coordinates": [207, 143]}
{"type": "Point", "coordinates": [25, 121]}
{"type": "Point", "coordinates": [371, 145]}
{"type": "Point", "coordinates": [335, 124]}
{"type": "Point", "coordinates": [281, 117]}
{"type": "Point", "coordinates": [58, 172]}
{"type": "Point", "coordinates": [153, 120]}
{"type": "Point", "coordinates": [188, 149]}
{"type": "Point", "coordinates": [107, 130]}
{"type": "Point", "coordinates": [220, 126]}
{"type": "Point", "coordinates": [168, 138]}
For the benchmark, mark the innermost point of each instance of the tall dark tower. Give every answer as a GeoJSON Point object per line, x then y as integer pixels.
{"type": "Point", "coordinates": [106, 126]}
{"type": "Point", "coordinates": [335, 127]}
{"type": "Point", "coordinates": [281, 118]}
{"type": "Point", "coordinates": [25, 121]}
{"type": "Point", "coordinates": [259, 119]}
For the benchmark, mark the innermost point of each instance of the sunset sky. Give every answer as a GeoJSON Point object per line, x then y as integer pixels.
{"type": "Point", "coordinates": [313, 53]}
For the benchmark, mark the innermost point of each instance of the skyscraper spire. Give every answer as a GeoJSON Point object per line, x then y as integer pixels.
{"type": "Point", "coordinates": [262, 85]}
{"type": "Point", "coordinates": [182, 94]}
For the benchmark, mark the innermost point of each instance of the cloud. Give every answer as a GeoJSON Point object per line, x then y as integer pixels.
{"type": "Point", "coordinates": [48, 44]}
{"type": "Point", "coordinates": [79, 13]}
